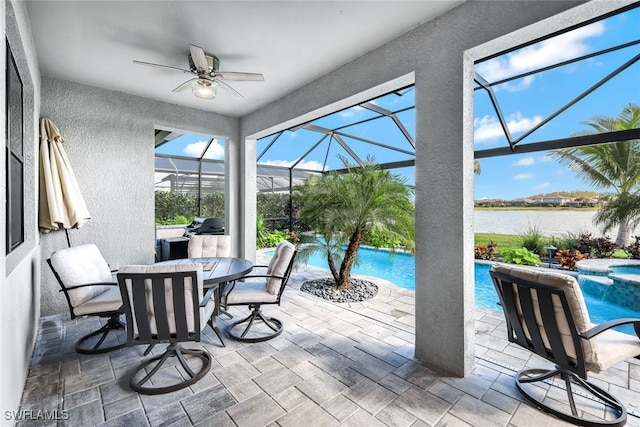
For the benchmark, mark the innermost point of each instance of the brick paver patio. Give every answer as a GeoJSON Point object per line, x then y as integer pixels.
{"type": "Point", "coordinates": [334, 365]}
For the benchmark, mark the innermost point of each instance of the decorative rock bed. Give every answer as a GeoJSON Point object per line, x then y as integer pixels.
{"type": "Point", "coordinates": [362, 290]}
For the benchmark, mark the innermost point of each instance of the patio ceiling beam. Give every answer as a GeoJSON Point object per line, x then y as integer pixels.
{"type": "Point", "coordinates": [371, 106]}
{"type": "Point", "coordinates": [496, 106]}
{"type": "Point", "coordinates": [386, 166]}
{"type": "Point", "coordinates": [557, 144]}
{"type": "Point", "coordinates": [278, 135]}
{"type": "Point", "coordinates": [348, 149]}
{"type": "Point", "coordinates": [580, 97]}
{"type": "Point", "coordinates": [309, 151]}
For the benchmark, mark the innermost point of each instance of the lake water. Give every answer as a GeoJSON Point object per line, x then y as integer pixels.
{"type": "Point", "coordinates": [550, 223]}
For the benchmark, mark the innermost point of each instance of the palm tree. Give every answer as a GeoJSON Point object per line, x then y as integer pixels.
{"type": "Point", "coordinates": [613, 166]}
{"type": "Point", "coordinates": [344, 208]}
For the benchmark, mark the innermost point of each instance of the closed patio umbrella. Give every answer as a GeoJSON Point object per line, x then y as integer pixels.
{"type": "Point", "coordinates": [61, 203]}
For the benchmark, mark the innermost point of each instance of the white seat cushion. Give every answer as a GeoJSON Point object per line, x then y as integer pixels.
{"type": "Point", "coordinates": [203, 246]}
{"type": "Point", "coordinates": [110, 300]}
{"type": "Point", "coordinates": [80, 265]}
{"type": "Point", "coordinates": [251, 292]}
{"type": "Point", "coordinates": [279, 264]}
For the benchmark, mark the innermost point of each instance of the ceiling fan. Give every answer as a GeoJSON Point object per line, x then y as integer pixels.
{"type": "Point", "coordinates": [205, 67]}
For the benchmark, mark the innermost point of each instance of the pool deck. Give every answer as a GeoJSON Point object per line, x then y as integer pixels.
{"type": "Point", "coordinates": [334, 365]}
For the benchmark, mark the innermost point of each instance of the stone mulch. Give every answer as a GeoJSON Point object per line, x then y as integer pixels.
{"type": "Point", "coordinates": [362, 290]}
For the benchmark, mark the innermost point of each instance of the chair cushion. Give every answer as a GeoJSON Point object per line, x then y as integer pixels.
{"type": "Point", "coordinates": [613, 347]}
{"type": "Point", "coordinates": [575, 300]}
{"type": "Point", "coordinates": [150, 270]}
{"type": "Point", "coordinates": [80, 265]}
{"type": "Point", "coordinates": [203, 246]}
{"type": "Point", "coordinates": [251, 292]}
{"type": "Point", "coordinates": [107, 301]}
{"type": "Point", "coordinates": [279, 264]}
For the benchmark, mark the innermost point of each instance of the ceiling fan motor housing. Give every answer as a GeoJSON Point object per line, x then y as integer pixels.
{"type": "Point", "coordinates": [212, 61]}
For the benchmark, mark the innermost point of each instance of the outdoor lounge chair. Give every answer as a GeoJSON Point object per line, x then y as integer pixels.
{"type": "Point", "coordinates": [267, 290]}
{"type": "Point", "coordinates": [546, 314]}
{"type": "Point", "coordinates": [90, 290]}
{"type": "Point", "coordinates": [164, 305]}
{"type": "Point", "coordinates": [207, 245]}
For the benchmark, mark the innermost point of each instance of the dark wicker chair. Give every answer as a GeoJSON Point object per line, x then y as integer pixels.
{"type": "Point", "coordinates": [90, 290]}
{"type": "Point", "coordinates": [546, 314]}
{"type": "Point", "coordinates": [164, 305]}
{"type": "Point", "coordinates": [267, 290]}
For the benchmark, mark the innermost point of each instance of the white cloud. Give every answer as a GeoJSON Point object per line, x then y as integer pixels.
{"type": "Point", "coordinates": [548, 52]}
{"type": "Point", "coordinates": [311, 164]}
{"type": "Point", "coordinates": [488, 128]}
{"type": "Point", "coordinates": [351, 112]}
{"type": "Point", "coordinates": [521, 176]}
{"type": "Point", "coordinates": [542, 185]}
{"type": "Point", "coordinates": [527, 161]}
{"type": "Point", "coordinates": [215, 151]}
{"type": "Point", "coordinates": [518, 86]}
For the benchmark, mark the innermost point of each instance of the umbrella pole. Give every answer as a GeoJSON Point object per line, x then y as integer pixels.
{"type": "Point", "coordinates": [68, 241]}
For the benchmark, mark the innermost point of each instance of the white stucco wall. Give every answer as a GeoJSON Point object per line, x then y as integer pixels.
{"type": "Point", "coordinates": [435, 54]}
{"type": "Point", "coordinates": [110, 144]}
{"type": "Point", "coordinates": [19, 271]}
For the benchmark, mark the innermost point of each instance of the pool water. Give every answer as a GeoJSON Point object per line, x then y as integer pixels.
{"type": "Point", "coordinates": [399, 268]}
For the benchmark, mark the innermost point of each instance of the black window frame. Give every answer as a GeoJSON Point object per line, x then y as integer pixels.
{"type": "Point", "coordinates": [14, 147]}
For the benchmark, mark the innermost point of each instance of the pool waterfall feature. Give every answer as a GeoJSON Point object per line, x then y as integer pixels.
{"type": "Point", "coordinates": [612, 281]}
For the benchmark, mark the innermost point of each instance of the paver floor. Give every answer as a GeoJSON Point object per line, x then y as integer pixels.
{"type": "Point", "coordinates": [334, 365]}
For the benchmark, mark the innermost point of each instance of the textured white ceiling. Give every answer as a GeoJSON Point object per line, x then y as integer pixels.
{"type": "Point", "coordinates": [290, 42]}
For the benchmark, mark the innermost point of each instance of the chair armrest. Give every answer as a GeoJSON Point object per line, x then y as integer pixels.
{"type": "Point", "coordinates": [611, 324]}
{"type": "Point", "coordinates": [267, 276]}
{"type": "Point", "coordinates": [85, 285]}
{"type": "Point", "coordinates": [207, 297]}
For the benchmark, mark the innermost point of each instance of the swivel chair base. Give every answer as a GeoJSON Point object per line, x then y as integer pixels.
{"type": "Point", "coordinates": [173, 350]}
{"type": "Point", "coordinates": [614, 410]}
{"type": "Point", "coordinates": [257, 334]}
{"type": "Point", "coordinates": [114, 324]}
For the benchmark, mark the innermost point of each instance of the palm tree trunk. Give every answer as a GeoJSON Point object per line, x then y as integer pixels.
{"type": "Point", "coordinates": [332, 267]}
{"type": "Point", "coordinates": [622, 239]}
{"type": "Point", "coordinates": [344, 279]}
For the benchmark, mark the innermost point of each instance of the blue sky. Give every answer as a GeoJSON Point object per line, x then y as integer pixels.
{"type": "Point", "coordinates": [524, 102]}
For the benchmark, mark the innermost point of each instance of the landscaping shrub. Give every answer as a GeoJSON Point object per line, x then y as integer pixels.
{"type": "Point", "coordinates": [569, 257]}
{"type": "Point", "coordinates": [380, 240]}
{"type": "Point", "coordinates": [521, 256]}
{"type": "Point", "coordinates": [634, 248]}
{"type": "Point", "coordinates": [486, 252]}
{"type": "Point", "coordinates": [533, 240]}
{"type": "Point", "coordinates": [601, 247]}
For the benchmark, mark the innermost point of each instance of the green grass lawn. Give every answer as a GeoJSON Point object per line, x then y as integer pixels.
{"type": "Point", "coordinates": [502, 240]}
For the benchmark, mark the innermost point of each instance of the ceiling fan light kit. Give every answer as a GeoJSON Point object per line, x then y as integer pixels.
{"type": "Point", "coordinates": [203, 88]}
{"type": "Point", "coordinates": [205, 67]}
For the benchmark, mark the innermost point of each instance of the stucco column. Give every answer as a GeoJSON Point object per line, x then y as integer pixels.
{"type": "Point", "coordinates": [248, 189]}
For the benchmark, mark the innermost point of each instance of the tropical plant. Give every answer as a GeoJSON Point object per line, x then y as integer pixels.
{"type": "Point", "coordinates": [613, 166]}
{"type": "Point", "coordinates": [634, 248]}
{"type": "Point", "coordinates": [486, 252]}
{"type": "Point", "coordinates": [521, 256]}
{"type": "Point", "coordinates": [600, 247]}
{"type": "Point", "coordinates": [533, 239]}
{"type": "Point", "coordinates": [345, 207]}
{"type": "Point", "coordinates": [569, 257]}
{"type": "Point", "coordinates": [477, 169]}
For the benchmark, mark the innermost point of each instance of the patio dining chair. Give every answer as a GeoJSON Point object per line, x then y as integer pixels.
{"type": "Point", "coordinates": [257, 290]}
{"type": "Point", "coordinates": [546, 314]}
{"type": "Point", "coordinates": [164, 304]}
{"type": "Point", "coordinates": [90, 290]}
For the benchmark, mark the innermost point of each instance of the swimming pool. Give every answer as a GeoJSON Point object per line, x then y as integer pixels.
{"type": "Point", "coordinates": [399, 268]}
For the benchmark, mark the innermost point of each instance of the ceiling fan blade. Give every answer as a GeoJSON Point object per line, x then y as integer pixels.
{"type": "Point", "coordinates": [229, 89]}
{"type": "Point", "coordinates": [199, 58]}
{"type": "Point", "coordinates": [151, 64]}
{"type": "Point", "coordinates": [239, 77]}
{"type": "Point", "coordinates": [185, 85]}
